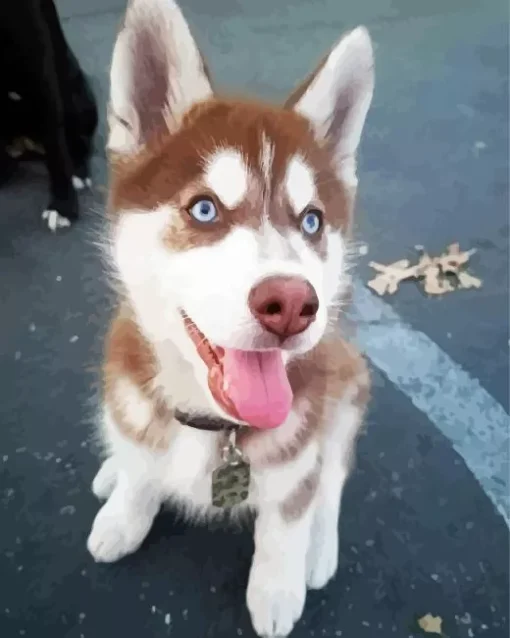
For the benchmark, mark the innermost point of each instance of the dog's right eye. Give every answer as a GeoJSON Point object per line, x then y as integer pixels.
{"type": "Point", "coordinates": [204, 211]}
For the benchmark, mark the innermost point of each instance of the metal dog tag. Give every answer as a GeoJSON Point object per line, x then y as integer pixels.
{"type": "Point", "coordinates": [231, 480]}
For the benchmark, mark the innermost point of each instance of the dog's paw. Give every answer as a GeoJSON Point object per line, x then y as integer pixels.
{"type": "Point", "coordinates": [105, 480]}
{"type": "Point", "coordinates": [108, 541]}
{"type": "Point", "coordinates": [62, 210]}
{"type": "Point", "coordinates": [115, 535]}
{"type": "Point", "coordinates": [80, 183]}
{"type": "Point", "coordinates": [275, 600]}
{"type": "Point", "coordinates": [54, 220]}
{"type": "Point", "coordinates": [322, 560]}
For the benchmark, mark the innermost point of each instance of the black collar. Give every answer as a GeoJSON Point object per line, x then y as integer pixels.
{"type": "Point", "coordinates": [205, 422]}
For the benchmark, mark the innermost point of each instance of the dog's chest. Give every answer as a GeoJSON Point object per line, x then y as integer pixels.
{"type": "Point", "coordinates": [187, 467]}
{"type": "Point", "coordinates": [193, 456]}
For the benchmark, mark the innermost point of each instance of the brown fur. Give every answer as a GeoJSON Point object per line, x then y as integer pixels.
{"type": "Point", "coordinates": [296, 503]}
{"type": "Point", "coordinates": [129, 356]}
{"type": "Point", "coordinates": [170, 170]}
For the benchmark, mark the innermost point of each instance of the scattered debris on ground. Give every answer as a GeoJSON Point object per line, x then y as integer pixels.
{"type": "Point", "coordinates": [438, 275]}
{"type": "Point", "coordinates": [363, 249]}
{"type": "Point", "coordinates": [431, 624]}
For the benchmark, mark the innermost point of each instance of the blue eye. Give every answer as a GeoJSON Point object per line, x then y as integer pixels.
{"type": "Point", "coordinates": [204, 211]}
{"type": "Point", "coordinates": [311, 222]}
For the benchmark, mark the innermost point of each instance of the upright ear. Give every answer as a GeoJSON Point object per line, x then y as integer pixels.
{"type": "Point", "coordinates": [336, 99]}
{"type": "Point", "coordinates": [157, 74]}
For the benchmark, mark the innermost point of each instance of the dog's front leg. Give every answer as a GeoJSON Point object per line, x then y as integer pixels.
{"type": "Point", "coordinates": [277, 583]}
{"type": "Point", "coordinates": [40, 66]}
{"type": "Point", "coordinates": [130, 482]}
{"type": "Point", "coordinates": [124, 521]}
{"type": "Point", "coordinates": [337, 459]}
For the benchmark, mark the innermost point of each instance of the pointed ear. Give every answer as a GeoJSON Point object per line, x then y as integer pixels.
{"type": "Point", "coordinates": [157, 74]}
{"type": "Point", "coordinates": [336, 99]}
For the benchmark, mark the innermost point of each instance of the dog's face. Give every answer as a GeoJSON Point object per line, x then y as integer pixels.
{"type": "Point", "coordinates": [231, 218]}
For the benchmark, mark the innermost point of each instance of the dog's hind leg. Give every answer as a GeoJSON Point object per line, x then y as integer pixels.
{"type": "Point", "coordinates": [106, 479]}
{"type": "Point", "coordinates": [124, 521]}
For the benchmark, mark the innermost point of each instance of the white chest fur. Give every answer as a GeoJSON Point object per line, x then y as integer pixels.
{"type": "Point", "coordinates": [183, 473]}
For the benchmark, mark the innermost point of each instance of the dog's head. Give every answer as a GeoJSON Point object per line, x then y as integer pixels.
{"type": "Point", "coordinates": [231, 218]}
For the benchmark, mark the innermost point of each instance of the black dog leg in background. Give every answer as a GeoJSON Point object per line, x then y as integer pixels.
{"type": "Point", "coordinates": [35, 53]}
{"type": "Point", "coordinates": [80, 108]}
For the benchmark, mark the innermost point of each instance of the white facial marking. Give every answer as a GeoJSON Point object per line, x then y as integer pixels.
{"type": "Point", "coordinates": [226, 174]}
{"type": "Point", "coordinates": [266, 159]}
{"type": "Point", "coordinates": [300, 184]}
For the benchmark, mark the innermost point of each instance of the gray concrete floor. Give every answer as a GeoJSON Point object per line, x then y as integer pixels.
{"type": "Point", "coordinates": [419, 533]}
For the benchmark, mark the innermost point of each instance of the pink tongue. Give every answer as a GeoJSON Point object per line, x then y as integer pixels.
{"type": "Point", "coordinates": [257, 384]}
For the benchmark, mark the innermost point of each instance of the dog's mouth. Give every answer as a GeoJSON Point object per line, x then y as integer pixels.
{"type": "Point", "coordinates": [249, 385]}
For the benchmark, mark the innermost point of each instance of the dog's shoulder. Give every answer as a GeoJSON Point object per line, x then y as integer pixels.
{"type": "Point", "coordinates": [127, 352]}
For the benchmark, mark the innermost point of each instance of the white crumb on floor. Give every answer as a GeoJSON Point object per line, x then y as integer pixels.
{"type": "Point", "coordinates": [73, 339]}
{"type": "Point", "coordinates": [168, 619]}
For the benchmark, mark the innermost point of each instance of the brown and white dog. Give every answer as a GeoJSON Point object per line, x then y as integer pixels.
{"type": "Point", "coordinates": [229, 235]}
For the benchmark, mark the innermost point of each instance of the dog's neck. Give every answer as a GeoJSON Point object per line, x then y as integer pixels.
{"type": "Point", "coordinates": [204, 421]}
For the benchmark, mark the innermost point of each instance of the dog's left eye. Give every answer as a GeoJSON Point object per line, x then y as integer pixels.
{"type": "Point", "coordinates": [311, 222]}
{"type": "Point", "coordinates": [204, 211]}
